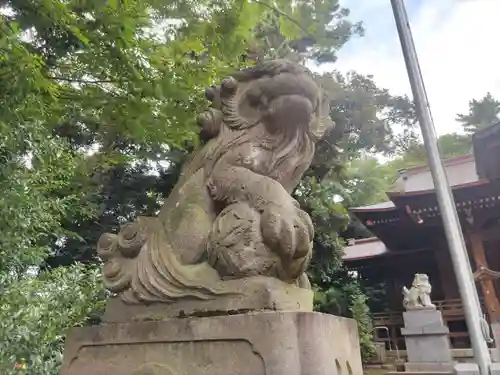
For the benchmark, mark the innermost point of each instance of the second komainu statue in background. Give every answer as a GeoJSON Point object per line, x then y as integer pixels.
{"type": "Point", "coordinates": [418, 297]}
{"type": "Point", "coordinates": [230, 233]}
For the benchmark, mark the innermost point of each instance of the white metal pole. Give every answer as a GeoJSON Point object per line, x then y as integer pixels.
{"type": "Point", "coordinates": [451, 223]}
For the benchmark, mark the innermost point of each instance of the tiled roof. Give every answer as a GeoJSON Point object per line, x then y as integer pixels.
{"type": "Point", "coordinates": [366, 248]}
{"type": "Point", "coordinates": [375, 207]}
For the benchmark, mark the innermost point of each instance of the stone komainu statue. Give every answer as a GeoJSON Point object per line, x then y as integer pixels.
{"type": "Point", "coordinates": [419, 295]}
{"type": "Point", "coordinates": [231, 215]}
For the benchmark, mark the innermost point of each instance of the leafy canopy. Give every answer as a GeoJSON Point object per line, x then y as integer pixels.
{"type": "Point", "coordinates": [482, 113]}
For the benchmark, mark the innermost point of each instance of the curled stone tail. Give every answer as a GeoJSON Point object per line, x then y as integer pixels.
{"type": "Point", "coordinates": [160, 277]}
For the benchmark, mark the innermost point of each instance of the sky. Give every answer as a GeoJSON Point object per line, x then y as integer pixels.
{"type": "Point", "coordinates": [457, 43]}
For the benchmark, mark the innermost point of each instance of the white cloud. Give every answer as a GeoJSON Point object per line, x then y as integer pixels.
{"type": "Point", "coordinates": [457, 44]}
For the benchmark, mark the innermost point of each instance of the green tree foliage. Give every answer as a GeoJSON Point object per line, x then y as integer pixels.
{"type": "Point", "coordinates": [368, 118]}
{"type": "Point", "coordinates": [368, 180]}
{"type": "Point", "coordinates": [40, 185]}
{"type": "Point", "coordinates": [302, 31]}
{"type": "Point", "coordinates": [482, 113]}
{"type": "Point", "coordinates": [35, 168]}
{"type": "Point", "coordinates": [139, 109]}
{"type": "Point", "coordinates": [37, 310]}
{"type": "Point", "coordinates": [450, 145]}
{"type": "Point", "coordinates": [342, 295]}
{"type": "Point", "coordinates": [126, 191]}
{"type": "Point", "coordinates": [123, 76]}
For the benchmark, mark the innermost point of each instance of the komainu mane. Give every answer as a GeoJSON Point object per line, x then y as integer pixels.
{"type": "Point", "coordinates": [230, 216]}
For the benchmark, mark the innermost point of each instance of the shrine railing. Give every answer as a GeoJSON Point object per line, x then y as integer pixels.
{"type": "Point", "coordinates": [451, 309]}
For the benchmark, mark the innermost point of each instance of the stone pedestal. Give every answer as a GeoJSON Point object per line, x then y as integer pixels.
{"type": "Point", "coordinates": [270, 343]}
{"type": "Point", "coordinates": [255, 294]}
{"type": "Point", "coordinates": [427, 343]}
{"type": "Point", "coordinates": [495, 330]}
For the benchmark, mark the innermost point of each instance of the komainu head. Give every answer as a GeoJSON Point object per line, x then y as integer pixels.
{"type": "Point", "coordinates": [421, 282]}
{"type": "Point", "coordinates": [277, 107]}
{"type": "Point", "coordinates": [278, 94]}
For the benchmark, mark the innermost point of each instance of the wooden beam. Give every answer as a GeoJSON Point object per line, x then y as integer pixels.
{"type": "Point", "coordinates": [377, 261]}
{"type": "Point", "coordinates": [490, 298]}
{"type": "Point", "coordinates": [491, 234]}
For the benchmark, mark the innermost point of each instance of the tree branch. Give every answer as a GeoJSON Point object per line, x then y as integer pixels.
{"type": "Point", "coordinates": [287, 16]}
{"type": "Point", "coordinates": [76, 80]}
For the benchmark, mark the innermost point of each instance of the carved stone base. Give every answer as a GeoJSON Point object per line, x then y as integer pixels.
{"type": "Point", "coordinates": [270, 343]}
{"type": "Point", "coordinates": [467, 369]}
{"type": "Point", "coordinates": [427, 367]}
{"type": "Point", "coordinates": [427, 342]}
{"type": "Point", "coordinates": [255, 294]}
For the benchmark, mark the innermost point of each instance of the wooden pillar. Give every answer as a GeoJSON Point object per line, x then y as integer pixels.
{"type": "Point", "coordinates": [395, 302]}
{"type": "Point", "coordinates": [395, 294]}
{"type": "Point", "coordinates": [487, 286]}
{"type": "Point", "coordinates": [446, 273]}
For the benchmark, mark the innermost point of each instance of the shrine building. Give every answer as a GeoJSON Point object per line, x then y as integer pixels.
{"type": "Point", "coordinates": [409, 238]}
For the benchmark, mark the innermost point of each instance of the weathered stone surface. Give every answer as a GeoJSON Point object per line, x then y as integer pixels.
{"type": "Point", "coordinates": [418, 297]}
{"type": "Point", "coordinates": [495, 330]}
{"type": "Point", "coordinates": [495, 368]}
{"type": "Point", "coordinates": [466, 369]}
{"type": "Point", "coordinates": [424, 320]}
{"type": "Point", "coordinates": [231, 215]}
{"type": "Point", "coordinates": [262, 293]}
{"type": "Point", "coordinates": [426, 367]}
{"type": "Point", "coordinates": [427, 340]}
{"type": "Point", "coordinates": [271, 343]}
